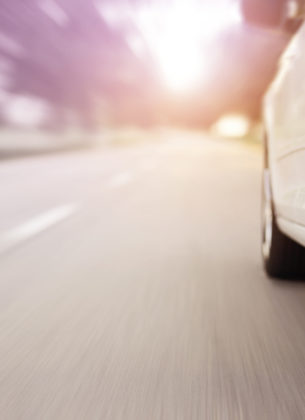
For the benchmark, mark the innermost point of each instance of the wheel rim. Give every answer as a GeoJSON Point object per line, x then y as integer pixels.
{"type": "Point", "coordinates": [267, 216]}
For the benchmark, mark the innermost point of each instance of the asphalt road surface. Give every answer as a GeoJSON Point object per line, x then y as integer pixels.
{"type": "Point", "coordinates": [131, 287]}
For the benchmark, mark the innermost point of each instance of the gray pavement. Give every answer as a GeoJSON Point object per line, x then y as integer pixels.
{"type": "Point", "coordinates": [131, 287]}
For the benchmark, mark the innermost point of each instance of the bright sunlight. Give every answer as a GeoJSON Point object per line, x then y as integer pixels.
{"type": "Point", "coordinates": [176, 34]}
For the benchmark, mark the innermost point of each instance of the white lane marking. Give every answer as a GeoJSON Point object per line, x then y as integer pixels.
{"type": "Point", "coordinates": [120, 180]}
{"type": "Point", "coordinates": [36, 225]}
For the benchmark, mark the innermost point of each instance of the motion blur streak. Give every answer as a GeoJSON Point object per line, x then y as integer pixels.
{"type": "Point", "coordinates": [131, 285]}
{"type": "Point", "coordinates": [150, 302]}
{"type": "Point", "coordinates": [87, 64]}
{"type": "Point", "coordinates": [37, 225]}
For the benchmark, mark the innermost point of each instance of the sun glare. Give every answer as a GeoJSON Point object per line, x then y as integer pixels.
{"type": "Point", "coordinates": [181, 75]}
{"type": "Point", "coordinates": [176, 34]}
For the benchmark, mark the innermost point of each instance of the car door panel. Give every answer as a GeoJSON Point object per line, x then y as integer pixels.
{"type": "Point", "coordinates": [285, 121]}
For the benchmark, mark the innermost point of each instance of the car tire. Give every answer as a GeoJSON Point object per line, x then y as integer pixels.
{"type": "Point", "coordinates": [281, 255]}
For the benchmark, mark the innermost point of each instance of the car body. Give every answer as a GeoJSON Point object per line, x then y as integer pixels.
{"type": "Point", "coordinates": [284, 118]}
{"type": "Point", "coordinates": [284, 169]}
{"type": "Point", "coordinates": [283, 203]}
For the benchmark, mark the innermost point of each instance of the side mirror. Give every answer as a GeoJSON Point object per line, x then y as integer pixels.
{"type": "Point", "coordinates": [270, 13]}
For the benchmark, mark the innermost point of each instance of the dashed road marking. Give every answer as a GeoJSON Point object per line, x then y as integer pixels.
{"type": "Point", "coordinates": [36, 225]}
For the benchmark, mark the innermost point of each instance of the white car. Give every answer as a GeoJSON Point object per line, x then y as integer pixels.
{"type": "Point", "coordinates": [283, 215]}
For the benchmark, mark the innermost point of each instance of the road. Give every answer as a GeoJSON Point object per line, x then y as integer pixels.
{"type": "Point", "coordinates": [131, 287]}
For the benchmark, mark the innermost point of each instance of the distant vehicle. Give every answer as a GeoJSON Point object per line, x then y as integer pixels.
{"type": "Point", "coordinates": [283, 207]}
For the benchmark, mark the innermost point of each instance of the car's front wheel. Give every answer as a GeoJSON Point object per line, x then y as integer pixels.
{"type": "Point", "coordinates": [282, 256]}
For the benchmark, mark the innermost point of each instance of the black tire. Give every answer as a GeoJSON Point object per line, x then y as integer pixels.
{"type": "Point", "coordinates": [283, 258]}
